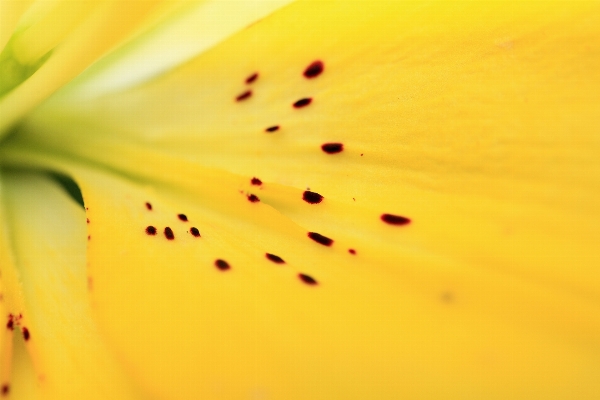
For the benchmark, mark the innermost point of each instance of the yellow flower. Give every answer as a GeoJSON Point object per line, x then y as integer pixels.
{"type": "Point", "coordinates": [343, 200]}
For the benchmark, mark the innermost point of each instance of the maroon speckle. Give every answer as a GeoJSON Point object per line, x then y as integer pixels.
{"type": "Point", "coordinates": [256, 181]}
{"type": "Point", "coordinates": [312, 197]}
{"type": "Point", "coordinates": [195, 232]}
{"type": "Point", "coordinates": [351, 251]}
{"type": "Point", "coordinates": [394, 219]}
{"type": "Point", "coordinates": [169, 233]}
{"type": "Point", "coordinates": [274, 258]}
{"type": "Point", "coordinates": [314, 69]}
{"type": "Point", "coordinates": [89, 237]}
{"type": "Point", "coordinates": [149, 206]}
{"type": "Point", "coordinates": [244, 95]}
{"type": "Point", "coordinates": [325, 241]}
{"type": "Point", "coordinates": [272, 128]}
{"type": "Point", "coordinates": [332, 148]}
{"type": "Point", "coordinates": [150, 230]}
{"type": "Point", "coordinates": [252, 78]}
{"type": "Point", "coordinates": [10, 324]}
{"type": "Point", "coordinates": [87, 220]}
{"type": "Point", "coordinates": [309, 280]}
{"type": "Point", "coordinates": [222, 265]}
{"type": "Point", "coordinates": [26, 334]}
{"type": "Point", "coordinates": [5, 389]}
{"type": "Point", "coordinates": [252, 198]}
{"type": "Point", "coordinates": [302, 102]}
{"type": "Point", "coordinates": [182, 217]}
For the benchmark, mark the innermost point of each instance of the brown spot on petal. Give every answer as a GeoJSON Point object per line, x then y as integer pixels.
{"type": "Point", "coordinates": [314, 69]}
{"type": "Point", "coordinates": [150, 230]}
{"type": "Point", "coordinates": [26, 334]}
{"type": "Point", "coordinates": [272, 128]}
{"type": "Point", "coordinates": [195, 232]}
{"type": "Point", "coordinates": [149, 206]}
{"type": "Point", "coordinates": [244, 96]}
{"type": "Point", "coordinates": [252, 198]}
{"type": "Point", "coordinates": [312, 197]}
{"type": "Point", "coordinates": [309, 280]}
{"type": "Point", "coordinates": [182, 217]}
{"type": "Point", "coordinates": [222, 265]}
{"type": "Point", "coordinates": [332, 148]}
{"type": "Point", "coordinates": [169, 233]}
{"type": "Point", "coordinates": [5, 389]}
{"type": "Point", "coordinates": [256, 181]}
{"type": "Point", "coordinates": [252, 78]}
{"type": "Point", "coordinates": [274, 258]}
{"type": "Point", "coordinates": [302, 102]}
{"type": "Point", "coordinates": [394, 219]}
{"type": "Point", "coordinates": [325, 241]}
{"type": "Point", "coordinates": [352, 251]}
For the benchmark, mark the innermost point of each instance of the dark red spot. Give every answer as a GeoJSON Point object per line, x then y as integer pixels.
{"type": "Point", "coordinates": [394, 219]}
{"type": "Point", "coordinates": [182, 217]}
{"type": "Point", "coordinates": [89, 237]}
{"type": "Point", "coordinates": [26, 334]}
{"type": "Point", "coordinates": [150, 230]}
{"type": "Point", "coordinates": [272, 128]}
{"type": "Point", "coordinates": [87, 220]}
{"type": "Point", "coordinates": [312, 197]}
{"type": "Point", "coordinates": [252, 78]}
{"type": "Point", "coordinates": [256, 181]}
{"type": "Point", "coordinates": [244, 95]}
{"type": "Point", "coordinates": [222, 265]}
{"type": "Point", "coordinates": [314, 69]}
{"type": "Point", "coordinates": [302, 102]}
{"type": "Point", "coordinates": [309, 280]}
{"type": "Point", "coordinates": [332, 148]}
{"type": "Point", "coordinates": [195, 232]}
{"type": "Point", "coordinates": [274, 258]}
{"type": "Point", "coordinates": [148, 206]}
{"type": "Point", "coordinates": [325, 241]}
{"type": "Point", "coordinates": [169, 233]}
{"type": "Point", "coordinates": [351, 251]}
{"type": "Point", "coordinates": [5, 389]}
{"type": "Point", "coordinates": [252, 198]}
{"type": "Point", "coordinates": [10, 324]}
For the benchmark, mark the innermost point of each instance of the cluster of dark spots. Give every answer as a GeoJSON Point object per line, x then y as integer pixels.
{"type": "Point", "coordinates": [194, 231]}
{"type": "Point", "coordinates": [182, 217]}
{"type": "Point", "coordinates": [302, 102]}
{"type": "Point", "coordinates": [5, 389]}
{"type": "Point", "coordinates": [149, 206]}
{"type": "Point", "coordinates": [244, 95]}
{"type": "Point", "coordinates": [256, 181]}
{"type": "Point", "coordinates": [222, 265]}
{"type": "Point", "coordinates": [151, 230]}
{"type": "Point", "coordinates": [351, 251]}
{"type": "Point", "coordinates": [169, 233]}
{"type": "Point", "coordinates": [309, 280]}
{"type": "Point", "coordinates": [274, 258]}
{"type": "Point", "coordinates": [251, 78]}
{"type": "Point", "coordinates": [26, 334]}
{"type": "Point", "coordinates": [314, 69]}
{"type": "Point", "coordinates": [312, 197]}
{"type": "Point", "coordinates": [252, 198]}
{"type": "Point", "coordinates": [332, 148]}
{"type": "Point", "coordinates": [272, 128]}
{"type": "Point", "coordinates": [394, 219]}
{"type": "Point", "coordinates": [325, 241]}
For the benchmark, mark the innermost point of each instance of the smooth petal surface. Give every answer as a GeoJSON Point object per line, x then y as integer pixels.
{"type": "Point", "coordinates": [69, 356]}
{"type": "Point", "coordinates": [461, 117]}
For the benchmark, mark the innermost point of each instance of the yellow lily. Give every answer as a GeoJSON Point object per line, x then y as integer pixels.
{"type": "Point", "coordinates": [342, 200]}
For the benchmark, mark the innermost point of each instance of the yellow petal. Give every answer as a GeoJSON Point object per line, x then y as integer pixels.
{"type": "Point", "coordinates": [464, 114]}
{"type": "Point", "coordinates": [48, 231]}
